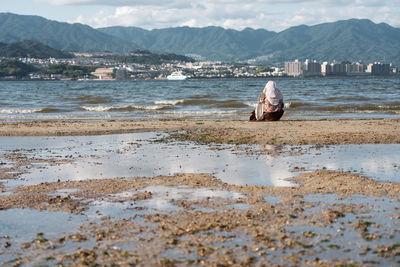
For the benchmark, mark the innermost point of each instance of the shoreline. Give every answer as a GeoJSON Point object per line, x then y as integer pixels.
{"type": "Point", "coordinates": [285, 132]}
{"type": "Point", "coordinates": [196, 218]}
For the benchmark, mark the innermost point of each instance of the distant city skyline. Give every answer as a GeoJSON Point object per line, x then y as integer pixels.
{"type": "Point", "coordinates": [233, 14]}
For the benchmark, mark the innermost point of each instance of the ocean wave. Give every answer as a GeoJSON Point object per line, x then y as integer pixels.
{"type": "Point", "coordinates": [231, 104]}
{"type": "Point", "coordinates": [21, 111]}
{"type": "Point", "coordinates": [294, 104]}
{"type": "Point", "coordinates": [97, 108]}
{"type": "Point", "coordinates": [252, 105]}
{"type": "Point", "coordinates": [203, 112]}
{"type": "Point", "coordinates": [360, 108]}
{"type": "Point", "coordinates": [121, 108]}
{"type": "Point", "coordinates": [287, 105]}
{"type": "Point", "coordinates": [87, 99]}
{"type": "Point", "coordinates": [50, 110]}
{"type": "Point", "coordinates": [205, 102]}
{"type": "Point", "coordinates": [169, 102]}
{"type": "Point", "coordinates": [198, 102]}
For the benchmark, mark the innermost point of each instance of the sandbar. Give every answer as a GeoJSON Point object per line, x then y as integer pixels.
{"type": "Point", "coordinates": [290, 132]}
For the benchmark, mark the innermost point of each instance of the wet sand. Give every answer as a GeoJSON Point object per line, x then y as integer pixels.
{"type": "Point", "coordinates": [295, 132]}
{"type": "Point", "coordinates": [243, 230]}
{"type": "Point", "coordinates": [327, 218]}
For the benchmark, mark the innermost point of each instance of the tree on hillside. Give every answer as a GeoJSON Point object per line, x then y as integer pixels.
{"type": "Point", "coordinates": [71, 71]}
{"type": "Point", "coordinates": [15, 68]}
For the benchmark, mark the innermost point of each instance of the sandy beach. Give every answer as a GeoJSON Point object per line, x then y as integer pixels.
{"type": "Point", "coordinates": [290, 132]}
{"type": "Point", "coordinates": [325, 218]}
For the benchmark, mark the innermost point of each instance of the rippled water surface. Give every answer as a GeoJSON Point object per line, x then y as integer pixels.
{"type": "Point", "coordinates": [345, 97]}
{"type": "Point", "coordinates": [141, 155]}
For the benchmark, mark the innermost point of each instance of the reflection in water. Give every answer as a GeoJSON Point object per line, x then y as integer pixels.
{"type": "Point", "coordinates": [376, 211]}
{"type": "Point", "coordinates": [120, 205]}
{"type": "Point", "coordinates": [184, 192]}
{"type": "Point", "coordinates": [135, 155]}
{"type": "Point", "coordinates": [23, 224]}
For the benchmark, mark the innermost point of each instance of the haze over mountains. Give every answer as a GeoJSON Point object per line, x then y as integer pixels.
{"type": "Point", "coordinates": [351, 40]}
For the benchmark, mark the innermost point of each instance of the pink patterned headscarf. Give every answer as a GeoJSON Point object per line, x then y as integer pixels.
{"type": "Point", "coordinates": [272, 93]}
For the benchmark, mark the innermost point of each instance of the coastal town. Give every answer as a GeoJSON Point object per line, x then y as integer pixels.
{"type": "Point", "coordinates": [99, 66]}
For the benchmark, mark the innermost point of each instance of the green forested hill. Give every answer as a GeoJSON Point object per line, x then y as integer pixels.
{"type": "Point", "coordinates": [30, 48]}
{"type": "Point", "coordinates": [15, 68]}
{"type": "Point", "coordinates": [351, 40]}
{"type": "Point", "coordinates": [210, 42]}
{"type": "Point", "coordinates": [59, 35]}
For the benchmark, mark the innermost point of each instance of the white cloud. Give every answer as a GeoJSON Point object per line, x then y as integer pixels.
{"type": "Point", "coordinates": [269, 14]}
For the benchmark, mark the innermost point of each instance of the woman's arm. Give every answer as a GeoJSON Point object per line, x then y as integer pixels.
{"type": "Point", "coordinates": [267, 106]}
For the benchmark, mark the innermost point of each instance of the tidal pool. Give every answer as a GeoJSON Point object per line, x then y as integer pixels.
{"type": "Point", "coordinates": [27, 225]}
{"type": "Point", "coordinates": [162, 197]}
{"type": "Point", "coordinates": [48, 159]}
{"type": "Point", "coordinates": [344, 236]}
{"type": "Point", "coordinates": [143, 155]}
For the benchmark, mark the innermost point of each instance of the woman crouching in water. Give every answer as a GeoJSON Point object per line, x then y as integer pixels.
{"type": "Point", "coordinates": [273, 103]}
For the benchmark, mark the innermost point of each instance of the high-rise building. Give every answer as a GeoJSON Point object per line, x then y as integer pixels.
{"type": "Point", "coordinates": [326, 69]}
{"type": "Point", "coordinates": [338, 69]}
{"type": "Point", "coordinates": [293, 68]}
{"type": "Point", "coordinates": [355, 68]}
{"type": "Point", "coordinates": [378, 68]}
{"type": "Point", "coordinates": [311, 68]}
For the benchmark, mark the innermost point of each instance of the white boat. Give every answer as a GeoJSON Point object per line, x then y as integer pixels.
{"type": "Point", "coordinates": [177, 76]}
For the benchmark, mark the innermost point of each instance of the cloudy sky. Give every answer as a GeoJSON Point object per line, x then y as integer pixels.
{"type": "Point", "coordinates": [275, 15]}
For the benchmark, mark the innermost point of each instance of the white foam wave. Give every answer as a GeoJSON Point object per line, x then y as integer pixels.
{"type": "Point", "coordinates": [169, 102]}
{"type": "Point", "coordinates": [205, 112]}
{"type": "Point", "coordinates": [252, 105]}
{"type": "Point", "coordinates": [97, 108]}
{"type": "Point", "coordinates": [126, 107]}
{"type": "Point", "coordinates": [19, 111]}
{"type": "Point", "coordinates": [155, 107]}
{"type": "Point", "coordinates": [287, 104]}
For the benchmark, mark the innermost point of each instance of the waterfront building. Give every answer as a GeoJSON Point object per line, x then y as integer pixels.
{"type": "Point", "coordinates": [326, 69]}
{"type": "Point", "coordinates": [121, 74]}
{"type": "Point", "coordinates": [311, 68]}
{"type": "Point", "coordinates": [293, 68]}
{"type": "Point", "coordinates": [355, 67]}
{"type": "Point", "coordinates": [378, 68]}
{"type": "Point", "coordinates": [299, 69]}
{"type": "Point", "coordinates": [338, 69]}
{"type": "Point", "coordinates": [103, 73]}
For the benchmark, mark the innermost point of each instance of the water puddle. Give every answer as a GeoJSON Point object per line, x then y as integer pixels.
{"type": "Point", "coordinates": [344, 237]}
{"type": "Point", "coordinates": [23, 224]}
{"type": "Point", "coordinates": [272, 199]}
{"type": "Point", "coordinates": [19, 226]}
{"type": "Point", "coordinates": [239, 206]}
{"type": "Point", "coordinates": [354, 235]}
{"type": "Point", "coordinates": [135, 155]}
{"type": "Point", "coordinates": [377, 161]}
{"type": "Point", "coordinates": [160, 200]}
{"type": "Point", "coordinates": [193, 194]}
{"type": "Point", "coordinates": [5, 193]}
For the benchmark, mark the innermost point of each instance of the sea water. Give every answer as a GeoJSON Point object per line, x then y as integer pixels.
{"type": "Point", "coordinates": [340, 97]}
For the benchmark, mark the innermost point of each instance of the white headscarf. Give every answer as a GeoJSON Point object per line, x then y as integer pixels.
{"type": "Point", "coordinates": [272, 93]}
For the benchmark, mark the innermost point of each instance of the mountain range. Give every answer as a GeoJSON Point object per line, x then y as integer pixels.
{"type": "Point", "coordinates": [30, 48]}
{"type": "Point", "coordinates": [350, 40]}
